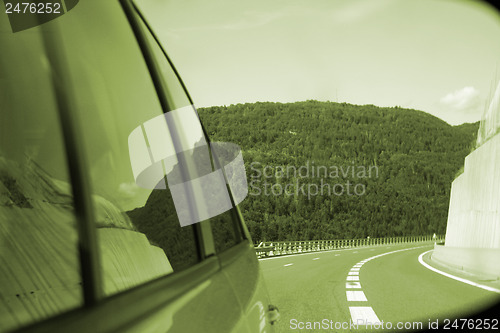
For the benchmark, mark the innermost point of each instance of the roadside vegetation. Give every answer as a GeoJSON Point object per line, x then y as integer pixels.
{"type": "Point", "coordinates": [413, 158]}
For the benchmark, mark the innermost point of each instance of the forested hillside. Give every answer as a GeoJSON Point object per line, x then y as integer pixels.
{"type": "Point", "coordinates": [324, 170]}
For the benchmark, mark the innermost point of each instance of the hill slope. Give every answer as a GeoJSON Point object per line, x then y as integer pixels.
{"type": "Point", "coordinates": [324, 170]}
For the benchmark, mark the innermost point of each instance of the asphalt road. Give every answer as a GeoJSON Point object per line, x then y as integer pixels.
{"type": "Point", "coordinates": [391, 288]}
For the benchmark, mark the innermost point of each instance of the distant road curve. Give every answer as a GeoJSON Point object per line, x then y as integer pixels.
{"type": "Point", "coordinates": [397, 287]}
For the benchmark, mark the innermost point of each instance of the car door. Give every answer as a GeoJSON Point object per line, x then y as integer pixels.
{"type": "Point", "coordinates": [135, 268]}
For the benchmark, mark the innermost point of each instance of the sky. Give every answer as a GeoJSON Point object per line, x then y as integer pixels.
{"type": "Point", "coordinates": [438, 56]}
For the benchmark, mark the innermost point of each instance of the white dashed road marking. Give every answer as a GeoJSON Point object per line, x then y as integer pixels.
{"type": "Point", "coordinates": [315, 258]}
{"type": "Point", "coordinates": [363, 315]}
{"type": "Point", "coordinates": [288, 265]}
{"type": "Point", "coordinates": [351, 285]}
{"type": "Point", "coordinates": [355, 296]}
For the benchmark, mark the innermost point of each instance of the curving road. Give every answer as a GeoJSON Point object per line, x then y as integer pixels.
{"type": "Point", "coordinates": [386, 286]}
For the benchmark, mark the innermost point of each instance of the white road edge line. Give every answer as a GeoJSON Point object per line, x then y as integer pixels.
{"type": "Point", "coordinates": [420, 260]}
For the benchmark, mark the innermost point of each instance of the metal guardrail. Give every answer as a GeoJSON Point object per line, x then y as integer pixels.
{"type": "Point", "coordinates": [272, 249]}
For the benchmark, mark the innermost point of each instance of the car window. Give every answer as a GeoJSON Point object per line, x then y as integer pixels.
{"type": "Point", "coordinates": [39, 261]}
{"type": "Point", "coordinates": [140, 158]}
{"type": "Point", "coordinates": [225, 226]}
{"type": "Point", "coordinates": [139, 234]}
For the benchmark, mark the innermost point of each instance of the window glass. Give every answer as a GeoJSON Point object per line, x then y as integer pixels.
{"type": "Point", "coordinates": [176, 96]}
{"type": "Point", "coordinates": [225, 228]}
{"type": "Point", "coordinates": [139, 233]}
{"type": "Point", "coordinates": [39, 262]}
{"type": "Point", "coordinates": [224, 232]}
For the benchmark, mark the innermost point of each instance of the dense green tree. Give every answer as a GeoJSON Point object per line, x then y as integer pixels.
{"type": "Point", "coordinates": [415, 154]}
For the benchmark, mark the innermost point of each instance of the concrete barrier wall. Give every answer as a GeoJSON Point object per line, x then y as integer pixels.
{"type": "Point", "coordinates": [474, 212]}
{"type": "Point", "coordinates": [39, 269]}
{"type": "Point", "coordinates": [39, 259]}
{"type": "Point", "coordinates": [39, 272]}
{"type": "Point", "coordinates": [129, 260]}
{"type": "Point", "coordinates": [490, 121]}
{"type": "Point", "coordinates": [480, 261]}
